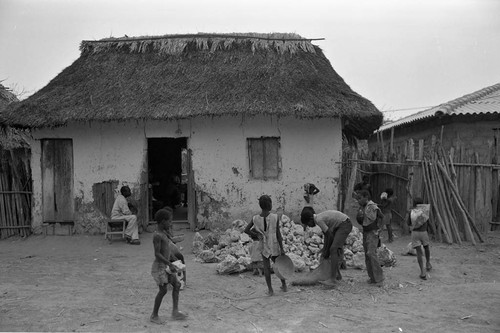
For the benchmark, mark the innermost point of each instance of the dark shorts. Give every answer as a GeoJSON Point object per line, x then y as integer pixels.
{"type": "Point", "coordinates": [419, 238]}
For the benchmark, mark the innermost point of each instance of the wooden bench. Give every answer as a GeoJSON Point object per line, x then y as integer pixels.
{"type": "Point", "coordinates": [115, 227]}
{"type": "Point", "coordinates": [46, 224]}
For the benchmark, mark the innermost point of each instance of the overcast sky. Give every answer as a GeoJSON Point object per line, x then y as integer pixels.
{"type": "Point", "coordinates": [400, 54]}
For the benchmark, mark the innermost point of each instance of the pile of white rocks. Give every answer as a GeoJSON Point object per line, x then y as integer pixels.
{"type": "Point", "coordinates": [231, 249]}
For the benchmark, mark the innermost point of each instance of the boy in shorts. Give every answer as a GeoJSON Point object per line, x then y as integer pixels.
{"type": "Point", "coordinates": [418, 219]}
{"type": "Point", "coordinates": [163, 255]}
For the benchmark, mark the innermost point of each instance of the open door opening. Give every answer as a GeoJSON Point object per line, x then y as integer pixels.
{"type": "Point", "coordinates": [168, 178]}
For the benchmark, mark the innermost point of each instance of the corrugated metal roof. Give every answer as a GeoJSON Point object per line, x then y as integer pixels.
{"type": "Point", "coordinates": [486, 100]}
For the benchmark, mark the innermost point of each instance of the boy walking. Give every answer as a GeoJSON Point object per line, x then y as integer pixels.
{"type": "Point", "coordinates": [371, 227]}
{"type": "Point", "coordinates": [418, 221]}
{"type": "Point", "coordinates": [162, 249]}
{"type": "Point", "coordinates": [265, 227]}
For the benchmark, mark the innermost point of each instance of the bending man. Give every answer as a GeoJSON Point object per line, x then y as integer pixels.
{"type": "Point", "coordinates": [336, 226]}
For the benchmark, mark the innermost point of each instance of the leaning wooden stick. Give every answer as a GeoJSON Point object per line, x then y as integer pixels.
{"type": "Point", "coordinates": [461, 203]}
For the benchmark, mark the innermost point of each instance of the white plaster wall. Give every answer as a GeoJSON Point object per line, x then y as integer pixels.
{"type": "Point", "coordinates": [117, 151]}
{"type": "Point", "coordinates": [101, 152]}
{"type": "Point", "coordinates": [309, 150]}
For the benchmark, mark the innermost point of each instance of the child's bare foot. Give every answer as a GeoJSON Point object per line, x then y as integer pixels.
{"type": "Point", "coordinates": [428, 266]}
{"type": "Point", "coordinates": [179, 315]}
{"type": "Point", "coordinates": [270, 292]}
{"type": "Point", "coordinates": [256, 272]}
{"type": "Point", "coordinates": [156, 320]}
{"type": "Point", "coordinates": [284, 288]}
{"type": "Point", "coordinates": [423, 276]}
{"type": "Point", "coordinates": [329, 282]}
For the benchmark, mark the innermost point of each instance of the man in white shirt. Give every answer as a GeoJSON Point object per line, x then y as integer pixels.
{"type": "Point", "coordinates": [121, 211]}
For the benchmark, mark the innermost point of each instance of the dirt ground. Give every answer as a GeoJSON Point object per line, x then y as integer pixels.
{"type": "Point", "coordinates": [85, 284]}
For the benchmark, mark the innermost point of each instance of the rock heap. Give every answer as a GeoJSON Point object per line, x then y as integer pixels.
{"type": "Point", "coordinates": [231, 249]}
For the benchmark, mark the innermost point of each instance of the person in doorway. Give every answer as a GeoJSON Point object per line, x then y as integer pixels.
{"type": "Point", "coordinates": [387, 200]}
{"type": "Point", "coordinates": [336, 226]}
{"type": "Point", "coordinates": [172, 196]}
{"type": "Point", "coordinates": [418, 219]}
{"type": "Point", "coordinates": [163, 271]}
{"type": "Point", "coordinates": [372, 217]}
{"type": "Point", "coordinates": [265, 227]}
{"type": "Point", "coordinates": [363, 185]}
{"type": "Point", "coordinates": [121, 211]}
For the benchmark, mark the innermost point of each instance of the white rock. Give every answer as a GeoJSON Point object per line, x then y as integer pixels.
{"type": "Point", "coordinates": [298, 262]}
{"type": "Point", "coordinates": [285, 219]}
{"type": "Point", "coordinates": [386, 256]}
{"type": "Point", "coordinates": [357, 246]}
{"type": "Point", "coordinates": [348, 253]}
{"type": "Point", "coordinates": [229, 265]}
{"type": "Point", "coordinates": [298, 230]}
{"type": "Point", "coordinates": [235, 235]}
{"type": "Point", "coordinates": [246, 262]}
{"type": "Point", "coordinates": [358, 260]}
{"type": "Point", "coordinates": [207, 256]}
{"type": "Point", "coordinates": [244, 238]}
{"type": "Point", "coordinates": [239, 225]}
{"type": "Point", "coordinates": [316, 239]}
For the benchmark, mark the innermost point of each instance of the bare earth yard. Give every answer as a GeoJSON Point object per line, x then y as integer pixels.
{"type": "Point", "coordinates": [84, 284]}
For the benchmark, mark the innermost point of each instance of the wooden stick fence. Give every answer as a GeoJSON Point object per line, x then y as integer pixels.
{"type": "Point", "coordinates": [464, 194]}
{"type": "Point", "coordinates": [15, 193]}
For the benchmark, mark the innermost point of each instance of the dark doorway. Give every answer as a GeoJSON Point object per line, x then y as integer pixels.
{"type": "Point", "coordinates": [168, 177]}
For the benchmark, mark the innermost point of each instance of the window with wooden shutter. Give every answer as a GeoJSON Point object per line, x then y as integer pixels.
{"type": "Point", "coordinates": [264, 158]}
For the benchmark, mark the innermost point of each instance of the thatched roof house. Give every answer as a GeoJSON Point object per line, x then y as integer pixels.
{"type": "Point", "coordinates": [233, 116]}
{"type": "Point", "coordinates": [9, 137]}
{"type": "Point", "coordinates": [184, 76]}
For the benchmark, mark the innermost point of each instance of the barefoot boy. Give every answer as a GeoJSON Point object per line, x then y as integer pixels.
{"type": "Point", "coordinates": [265, 227]}
{"type": "Point", "coordinates": [163, 254]}
{"type": "Point", "coordinates": [418, 222]}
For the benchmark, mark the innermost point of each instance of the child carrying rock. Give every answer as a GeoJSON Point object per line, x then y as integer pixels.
{"type": "Point", "coordinates": [418, 221]}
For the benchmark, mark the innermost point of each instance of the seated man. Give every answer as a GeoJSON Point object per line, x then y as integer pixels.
{"type": "Point", "coordinates": [121, 211]}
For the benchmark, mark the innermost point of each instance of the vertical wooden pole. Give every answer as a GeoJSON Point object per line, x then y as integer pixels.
{"type": "Point", "coordinates": [409, 188]}
{"type": "Point", "coordinates": [488, 189]}
{"type": "Point", "coordinates": [479, 191]}
{"type": "Point", "coordinates": [435, 204]}
{"type": "Point", "coordinates": [352, 178]}
{"type": "Point", "coordinates": [459, 205]}
{"type": "Point", "coordinates": [391, 147]}
{"type": "Point", "coordinates": [471, 189]}
{"type": "Point", "coordinates": [192, 208]}
{"type": "Point", "coordinates": [384, 157]}
{"type": "Point", "coordinates": [421, 149]}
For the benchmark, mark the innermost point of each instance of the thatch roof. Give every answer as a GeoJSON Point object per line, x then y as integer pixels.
{"type": "Point", "coordinates": [6, 97]}
{"type": "Point", "coordinates": [185, 76]}
{"type": "Point", "coordinates": [9, 138]}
